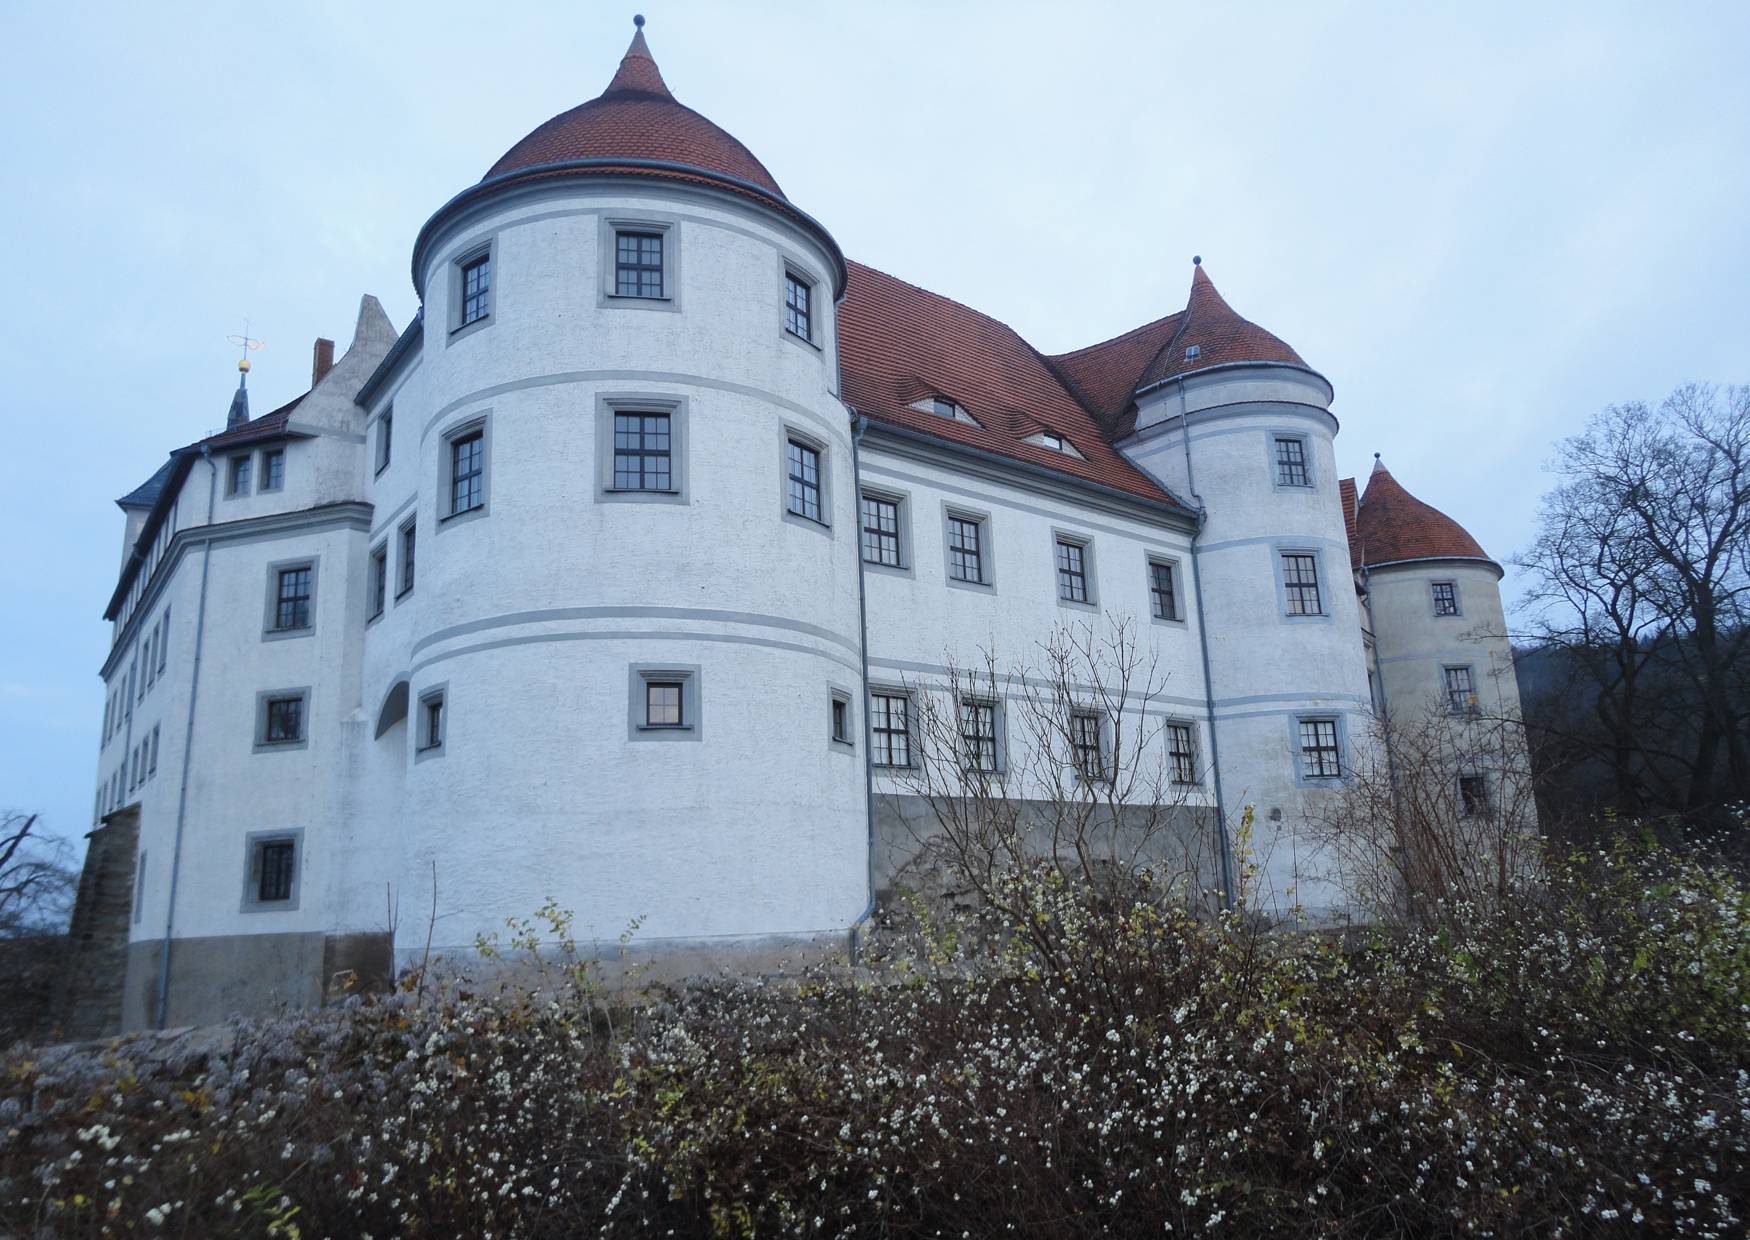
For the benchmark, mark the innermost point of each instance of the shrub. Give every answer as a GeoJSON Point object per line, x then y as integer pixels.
{"type": "Point", "coordinates": [1092, 1062]}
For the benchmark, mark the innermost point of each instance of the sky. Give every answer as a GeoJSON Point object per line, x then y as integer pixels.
{"type": "Point", "coordinates": [1482, 222]}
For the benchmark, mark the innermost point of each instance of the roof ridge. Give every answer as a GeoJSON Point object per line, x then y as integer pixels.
{"type": "Point", "coordinates": [1112, 340]}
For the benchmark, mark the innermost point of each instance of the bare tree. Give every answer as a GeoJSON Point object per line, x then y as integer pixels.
{"type": "Point", "coordinates": [1641, 573]}
{"type": "Point", "coordinates": [36, 879]}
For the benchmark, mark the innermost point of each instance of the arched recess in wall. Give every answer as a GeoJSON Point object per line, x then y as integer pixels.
{"type": "Point", "coordinates": [394, 708]}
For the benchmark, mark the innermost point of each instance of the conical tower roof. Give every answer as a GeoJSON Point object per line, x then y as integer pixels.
{"type": "Point", "coordinates": [637, 119]}
{"type": "Point", "coordinates": [1211, 334]}
{"type": "Point", "coordinates": [1392, 526]}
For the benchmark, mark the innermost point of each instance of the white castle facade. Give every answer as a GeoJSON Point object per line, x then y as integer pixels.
{"type": "Point", "coordinates": [612, 580]}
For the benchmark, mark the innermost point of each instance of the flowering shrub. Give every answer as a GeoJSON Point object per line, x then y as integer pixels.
{"type": "Point", "coordinates": [1087, 1063]}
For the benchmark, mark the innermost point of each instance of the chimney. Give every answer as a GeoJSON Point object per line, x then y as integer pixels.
{"type": "Point", "coordinates": [321, 361]}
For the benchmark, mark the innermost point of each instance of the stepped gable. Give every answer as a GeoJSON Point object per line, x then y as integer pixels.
{"type": "Point", "coordinates": [1393, 526]}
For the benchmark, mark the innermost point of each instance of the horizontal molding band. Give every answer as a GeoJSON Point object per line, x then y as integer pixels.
{"type": "Point", "coordinates": [634, 635]}
{"type": "Point", "coordinates": [704, 615]}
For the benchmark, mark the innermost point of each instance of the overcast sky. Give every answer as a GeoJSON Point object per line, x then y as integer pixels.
{"type": "Point", "coordinates": [1482, 223]}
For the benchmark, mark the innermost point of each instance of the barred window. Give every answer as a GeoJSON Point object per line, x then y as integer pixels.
{"type": "Point", "coordinates": [273, 469]}
{"type": "Point", "coordinates": [1319, 758]}
{"type": "Point", "coordinates": [274, 862]}
{"type": "Point", "coordinates": [978, 735]}
{"type": "Point", "coordinates": [467, 472]}
{"type": "Point", "coordinates": [379, 580]}
{"type": "Point", "coordinates": [407, 544]}
{"type": "Point", "coordinates": [1182, 753]}
{"type": "Point", "coordinates": [1300, 577]}
{"type": "Point", "coordinates": [798, 318]}
{"type": "Point", "coordinates": [242, 472]}
{"type": "Point", "coordinates": [285, 720]}
{"type": "Point", "coordinates": [476, 290]}
{"type": "Point", "coordinates": [804, 464]}
{"type": "Point", "coordinates": [643, 452]}
{"type": "Point", "coordinates": [638, 264]}
{"type": "Point", "coordinates": [1445, 598]}
{"type": "Point", "coordinates": [1291, 462]}
{"type": "Point", "coordinates": [880, 531]}
{"type": "Point", "coordinates": [1084, 735]}
{"type": "Point", "coordinates": [663, 704]}
{"type": "Point", "coordinates": [889, 724]}
{"type": "Point", "coordinates": [292, 604]}
{"type": "Point", "coordinates": [1072, 571]}
{"type": "Point", "coordinates": [1461, 690]}
{"type": "Point", "coordinates": [965, 552]}
{"type": "Point", "coordinates": [1162, 590]}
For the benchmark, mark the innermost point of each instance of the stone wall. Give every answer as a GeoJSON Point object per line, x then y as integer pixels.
{"type": "Point", "coordinates": [88, 1003]}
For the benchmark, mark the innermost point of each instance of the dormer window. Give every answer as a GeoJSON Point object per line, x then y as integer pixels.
{"type": "Point", "coordinates": [945, 407]}
{"type": "Point", "coordinates": [1055, 442]}
{"type": "Point", "coordinates": [1193, 352]}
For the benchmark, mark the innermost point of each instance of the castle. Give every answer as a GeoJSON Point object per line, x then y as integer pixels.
{"type": "Point", "coordinates": [614, 577]}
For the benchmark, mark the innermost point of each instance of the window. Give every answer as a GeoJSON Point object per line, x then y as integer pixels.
{"type": "Point", "coordinates": [284, 718]}
{"type": "Point", "coordinates": [476, 289]}
{"type": "Point", "coordinates": [431, 720]}
{"type": "Point", "coordinates": [1319, 757]}
{"type": "Point", "coordinates": [1084, 735]}
{"type": "Point", "coordinates": [1300, 578]}
{"type": "Point", "coordinates": [139, 886]}
{"type": "Point", "coordinates": [407, 544]}
{"type": "Point", "coordinates": [273, 469]}
{"type": "Point", "coordinates": [664, 704]}
{"type": "Point", "coordinates": [1461, 690]}
{"type": "Point", "coordinates": [840, 718]}
{"type": "Point", "coordinates": [468, 471]}
{"type": "Point", "coordinates": [889, 725]}
{"type": "Point", "coordinates": [274, 862]}
{"type": "Point", "coordinates": [1291, 462]}
{"type": "Point", "coordinates": [385, 439]}
{"type": "Point", "coordinates": [798, 317]}
{"type": "Point", "coordinates": [292, 603]}
{"type": "Point", "coordinates": [881, 531]}
{"type": "Point", "coordinates": [152, 751]}
{"type": "Point", "coordinates": [804, 494]}
{"type": "Point", "coordinates": [239, 478]}
{"type": "Point", "coordinates": [164, 638]}
{"type": "Point", "coordinates": [1445, 598]}
{"type": "Point", "coordinates": [1473, 796]}
{"type": "Point", "coordinates": [966, 558]}
{"type": "Point", "coordinates": [978, 735]}
{"type": "Point", "coordinates": [379, 579]}
{"type": "Point", "coordinates": [942, 407]}
{"type": "Point", "coordinates": [1072, 571]}
{"type": "Point", "coordinates": [643, 450]}
{"type": "Point", "coordinates": [638, 264]}
{"type": "Point", "coordinates": [1182, 753]}
{"type": "Point", "coordinates": [1163, 591]}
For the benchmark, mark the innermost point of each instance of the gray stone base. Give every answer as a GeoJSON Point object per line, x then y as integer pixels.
{"type": "Point", "coordinates": [213, 979]}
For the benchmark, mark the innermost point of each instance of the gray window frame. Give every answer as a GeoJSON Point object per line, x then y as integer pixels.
{"type": "Point", "coordinates": [1190, 728]}
{"type": "Point", "coordinates": [262, 486]}
{"type": "Point", "coordinates": [909, 731]}
{"type": "Point", "coordinates": [1434, 600]}
{"type": "Point", "coordinates": [791, 268]}
{"type": "Point", "coordinates": [271, 613]}
{"type": "Point", "coordinates": [1084, 543]}
{"type": "Point", "coordinates": [1102, 745]}
{"type": "Point", "coordinates": [385, 448]}
{"type": "Point", "coordinates": [689, 676]}
{"type": "Point", "coordinates": [999, 733]}
{"type": "Point", "coordinates": [262, 744]}
{"type": "Point", "coordinates": [461, 429]}
{"type": "Point", "coordinates": [420, 732]}
{"type": "Point", "coordinates": [1324, 583]}
{"type": "Point", "coordinates": [986, 548]}
{"type": "Point", "coordinates": [1474, 705]}
{"type": "Point", "coordinates": [406, 565]}
{"type": "Point", "coordinates": [252, 845]}
{"type": "Point", "coordinates": [607, 405]}
{"type": "Point", "coordinates": [789, 432]}
{"type": "Point", "coordinates": [377, 583]}
{"type": "Point", "coordinates": [608, 295]}
{"type": "Point", "coordinates": [245, 460]}
{"type": "Point", "coordinates": [487, 248]}
{"type": "Point", "coordinates": [1486, 808]}
{"type": "Point", "coordinates": [1306, 456]}
{"type": "Point", "coordinates": [848, 740]}
{"type": "Point", "coordinates": [901, 502]}
{"type": "Point", "coordinates": [1340, 722]}
{"type": "Point", "coordinates": [1151, 560]}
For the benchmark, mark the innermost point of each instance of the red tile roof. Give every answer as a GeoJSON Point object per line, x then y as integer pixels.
{"type": "Point", "coordinates": [637, 118]}
{"type": "Point", "coordinates": [899, 343]}
{"type": "Point", "coordinates": [264, 427]}
{"type": "Point", "coordinates": [1346, 496]}
{"type": "Point", "coordinates": [1393, 525]}
{"type": "Point", "coordinates": [1218, 334]}
{"type": "Point", "coordinates": [1104, 375]}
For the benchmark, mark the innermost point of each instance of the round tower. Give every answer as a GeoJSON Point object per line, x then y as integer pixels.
{"type": "Point", "coordinates": [1440, 634]}
{"type": "Point", "coordinates": [1231, 417]}
{"type": "Point", "coordinates": [632, 658]}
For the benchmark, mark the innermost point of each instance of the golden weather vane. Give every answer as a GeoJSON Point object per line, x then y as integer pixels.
{"type": "Point", "coordinates": [246, 344]}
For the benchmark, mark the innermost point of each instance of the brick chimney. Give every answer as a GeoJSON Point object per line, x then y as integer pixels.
{"type": "Point", "coordinates": [321, 361]}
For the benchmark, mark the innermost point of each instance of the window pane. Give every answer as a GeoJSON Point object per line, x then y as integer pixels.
{"type": "Point", "coordinates": [292, 610]}
{"type": "Point", "coordinates": [1291, 462]}
{"type": "Point", "coordinates": [1179, 752]}
{"type": "Point", "coordinates": [804, 465]}
{"type": "Point", "coordinates": [880, 531]}
{"type": "Point", "coordinates": [1300, 578]}
{"type": "Point", "coordinates": [285, 719]}
{"type": "Point", "coordinates": [964, 553]}
{"type": "Point", "coordinates": [1072, 578]}
{"type": "Point", "coordinates": [1165, 599]}
{"type": "Point", "coordinates": [407, 548]}
{"type": "Point", "coordinates": [1318, 748]}
{"type": "Point", "coordinates": [275, 862]}
{"type": "Point", "coordinates": [796, 309]}
{"type": "Point", "coordinates": [638, 264]}
{"type": "Point", "coordinates": [476, 290]}
{"type": "Point", "coordinates": [467, 463]}
{"type": "Point", "coordinates": [662, 704]}
{"type": "Point", "coordinates": [641, 452]}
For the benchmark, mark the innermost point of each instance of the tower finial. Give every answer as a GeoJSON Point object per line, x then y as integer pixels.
{"type": "Point", "coordinates": [638, 20]}
{"type": "Point", "coordinates": [239, 413]}
{"type": "Point", "coordinates": [1197, 260]}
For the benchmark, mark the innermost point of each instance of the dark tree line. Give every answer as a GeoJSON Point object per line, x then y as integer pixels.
{"type": "Point", "coordinates": [1636, 671]}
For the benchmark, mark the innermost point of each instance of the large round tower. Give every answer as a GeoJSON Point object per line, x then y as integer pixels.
{"type": "Point", "coordinates": [634, 643]}
{"type": "Point", "coordinates": [1230, 416]}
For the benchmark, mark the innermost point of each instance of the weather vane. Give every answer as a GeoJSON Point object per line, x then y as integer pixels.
{"type": "Point", "coordinates": [245, 343]}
